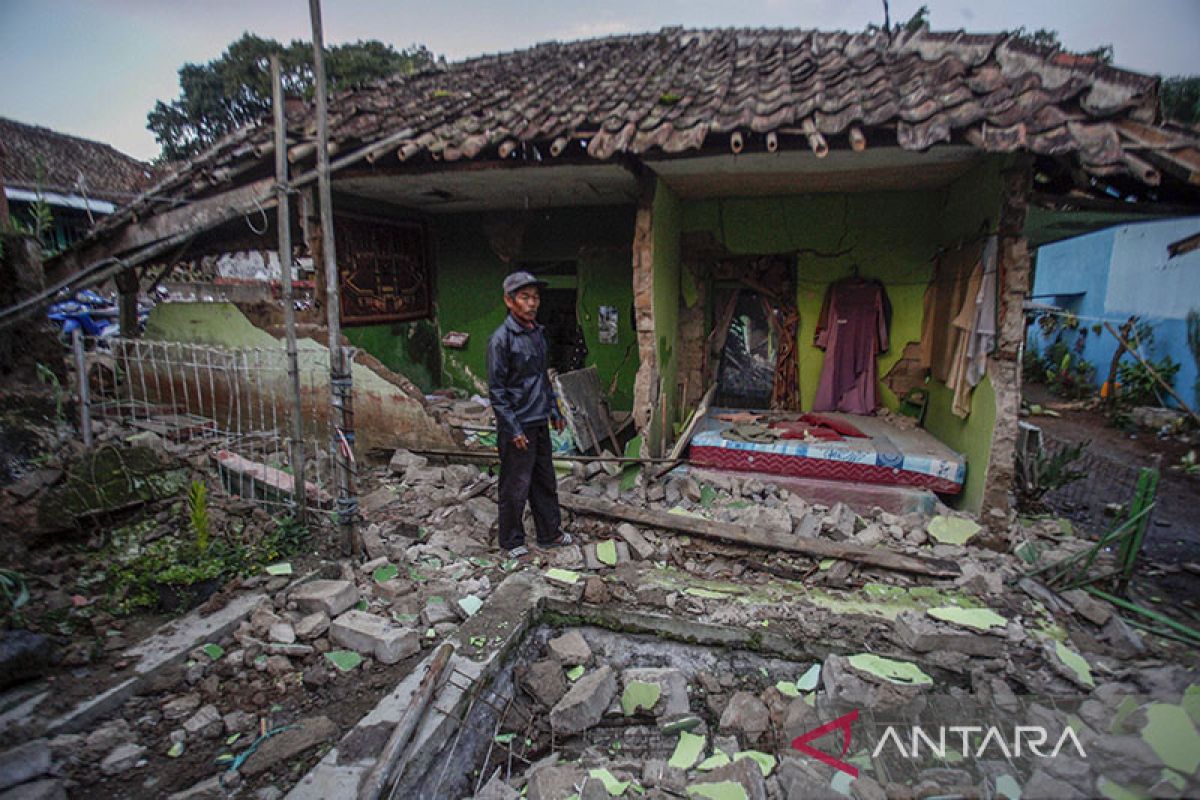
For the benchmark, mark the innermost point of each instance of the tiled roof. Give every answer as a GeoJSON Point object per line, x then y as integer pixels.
{"type": "Point", "coordinates": [39, 158]}
{"type": "Point", "coordinates": [677, 91]}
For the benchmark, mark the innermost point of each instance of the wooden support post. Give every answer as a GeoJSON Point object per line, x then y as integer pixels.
{"type": "Point", "coordinates": [387, 766]}
{"type": "Point", "coordinates": [284, 224]}
{"type": "Point", "coordinates": [85, 401]}
{"type": "Point", "coordinates": [1109, 390]}
{"type": "Point", "coordinates": [128, 284]}
{"type": "Point", "coordinates": [340, 377]}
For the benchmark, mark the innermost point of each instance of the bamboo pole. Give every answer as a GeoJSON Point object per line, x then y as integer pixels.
{"type": "Point", "coordinates": [1154, 373]}
{"type": "Point", "coordinates": [340, 386]}
{"type": "Point", "coordinates": [284, 223]}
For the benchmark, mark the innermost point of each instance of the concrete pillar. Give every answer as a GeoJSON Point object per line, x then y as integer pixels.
{"type": "Point", "coordinates": [128, 286]}
{"type": "Point", "coordinates": [1004, 367]}
{"type": "Point", "coordinates": [645, 384]}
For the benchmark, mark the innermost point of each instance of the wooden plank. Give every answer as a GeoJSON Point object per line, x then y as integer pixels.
{"type": "Point", "coordinates": [737, 534]}
{"type": "Point", "coordinates": [197, 215]}
{"type": "Point", "coordinates": [686, 435]}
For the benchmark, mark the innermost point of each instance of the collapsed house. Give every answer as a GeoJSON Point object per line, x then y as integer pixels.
{"type": "Point", "coordinates": [709, 208]}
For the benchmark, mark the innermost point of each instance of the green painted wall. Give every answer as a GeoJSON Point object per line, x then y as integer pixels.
{"type": "Point", "coordinates": [970, 205]}
{"type": "Point", "coordinates": [889, 235]}
{"type": "Point", "coordinates": [469, 298]}
{"type": "Point", "coordinates": [667, 219]}
{"type": "Point", "coordinates": [412, 349]}
{"type": "Point", "coordinates": [892, 236]}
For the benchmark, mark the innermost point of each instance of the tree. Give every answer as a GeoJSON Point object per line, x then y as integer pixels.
{"type": "Point", "coordinates": [226, 93]}
{"type": "Point", "coordinates": [1180, 97]}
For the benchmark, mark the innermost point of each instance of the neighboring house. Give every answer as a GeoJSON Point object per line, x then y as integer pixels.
{"type": "Point", "coordinates": [646, 176]}
{"type": "Point", "coordinates": [1150, 269]}
{"type": "Point", "coordinates": [78, 179]}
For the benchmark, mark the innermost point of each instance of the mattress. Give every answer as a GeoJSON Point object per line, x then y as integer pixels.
{"type": "Point", "coordinates": [886, 454]}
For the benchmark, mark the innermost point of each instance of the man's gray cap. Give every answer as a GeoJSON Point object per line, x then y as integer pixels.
{"type": "Point", "coordinates": [518, 279]}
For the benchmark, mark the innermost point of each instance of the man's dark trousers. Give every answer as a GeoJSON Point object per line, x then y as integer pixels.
{"type": "Point", "coordinates": [528, 475]}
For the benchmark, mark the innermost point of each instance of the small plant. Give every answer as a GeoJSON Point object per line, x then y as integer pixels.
{"type": "Point", "coordinates": [1188, 464]}
{"type": "Point", "coordinates": [197, 503]}
{"type": "Point", "coordinates": [47, 377]}
{"type": "Point", "coordinates": [15, 591]}
{"type": "Point", "coordinates": [1042, 472]}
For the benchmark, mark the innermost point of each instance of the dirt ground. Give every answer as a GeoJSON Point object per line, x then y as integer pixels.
{"type": "Point", "coordinates": [1170, 577]}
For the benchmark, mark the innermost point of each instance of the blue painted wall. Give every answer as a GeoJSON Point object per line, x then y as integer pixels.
{"type": "Point", "coordinates": [1125, 270]}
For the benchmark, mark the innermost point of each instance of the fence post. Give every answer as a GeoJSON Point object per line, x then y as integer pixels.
{"type": "Point", "coordinates": [81, 379]}
{"type": "Point", "coordinates": [284, 224]}
{"type": "Point", "coordinates": [1131, 548]}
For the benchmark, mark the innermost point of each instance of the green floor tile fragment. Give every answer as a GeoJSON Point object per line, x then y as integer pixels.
{"type": "Point", "coordinates": [1191, 702]}
{"type": "Point", "coordinates": [1115, 791]}
{"type": "Point", "coordinates": [902, 672]}
{"type": "Point", "coordinates": [1172, 736]}
{"type": "Point", "coordinates": [808, 681]}
{"type": "Point", "coordinates": [723, 790]}
{"type": "Point", "coordinates": [840, 783]}
{"type": "Point", "coordinates": [614, 787]}
{"type": "Point", "coordinates": [385, 573]}
{"type": "Point", "coordinates": [567, 576]}
{"type": "Point", "coordinates": [639, 695]}
{"type": "Point", "coordinates": [1075, 662]}
{"type": "Point", "coordinates": [1124, 709]}
{"type": "Point", "coordinates": [575, 673]}
{"type": "Point", "coordinates": [980, 619]}
{"type": "Point", "coordinates": [1174, 778]}
{"type": "Point", "coordinates": [213, 651]}
{"type": "Point", "coordinates": [952, 530]}
{"type": "Point", "coordinates": [470, 605]}
{"type": "Point", "coordinates": [766, 762]}
{"type": "Point", "coordinates": [687, 750]}
{"type": "Point", "coordinates": [606, 552]}
{"type": "Point", "coordinates": [715, 761]}
{"type": "Point", "coordinates": [283, 568]}
{"type": "Point", "coordinates": [1007, 787]}
{"type": "Point", "coordinates": [176, 750]}
{"type": "Point", "coordinates": [344, 660]}
{"type": "Point", "coordinates": [787, 688]}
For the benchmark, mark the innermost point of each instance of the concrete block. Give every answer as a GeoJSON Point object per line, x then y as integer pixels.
{"type": "Point", "coordinates": [332, 597]}
{"type": "Point", "coordinates": [24, 763]}
{"type": "Point", "coordinates": [584, 705]}
{"type": "Point", "coordinates": [374, 635]}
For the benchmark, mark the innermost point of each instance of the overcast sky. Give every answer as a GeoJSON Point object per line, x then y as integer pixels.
{"type": "Point", "coordinates": [94, 68]}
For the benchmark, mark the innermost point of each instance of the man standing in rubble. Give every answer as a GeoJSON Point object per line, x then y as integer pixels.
{"type": "Point", "coordinates": [525, 407]}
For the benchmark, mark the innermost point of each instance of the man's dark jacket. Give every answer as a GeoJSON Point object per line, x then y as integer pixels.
{"type": "Point", "coordinates": [518, 385]}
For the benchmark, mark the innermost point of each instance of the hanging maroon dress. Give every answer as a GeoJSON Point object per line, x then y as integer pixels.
{"type": "Point", "coordinates": [853, 331]}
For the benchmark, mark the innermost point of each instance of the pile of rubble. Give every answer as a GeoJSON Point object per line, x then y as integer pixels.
{"type": "Point", "coordinates": [269, 696]}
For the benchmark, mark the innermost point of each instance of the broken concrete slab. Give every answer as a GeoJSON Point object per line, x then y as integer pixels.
{"type": "Point", "coordinates": [545, 682]}
{"type": "Point", "coordinates": [46, 789]}
{"type": "Point", "coordinates": [312, 625]}
{"type": "Point", "coordinates": [171, 644]}
{"type": "Point", "coordinates": [122, 759]}
{"type": "Point", "coordinates": [24, 763]}
{"type": "Point", "coordinates": [585, 703]}
{"type": "Point", "coordinates": [301, 736]}
{"type": "Point", "coordinates": [332, 597]}
{"type": "Point", "coordinates": [570, 649]}
{"type": "Point", "coordinates": [374, 635]}
{"type": "Point", "coordinates": [637, 543]}
{"type": "Point", "coordinates": [555, 782]}
{"type": "Point", "coordinates": [1094, 611]}
{"type": "Point", "coordinates": [920, 634]}
{"type": "Point", "coordinates": [745, 714]}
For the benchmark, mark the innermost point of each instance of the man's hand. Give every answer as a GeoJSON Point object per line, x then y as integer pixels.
{"type": "Point", "coordinates": [521, 442]}
{"type": "Point", "coordinates": [559, 424]}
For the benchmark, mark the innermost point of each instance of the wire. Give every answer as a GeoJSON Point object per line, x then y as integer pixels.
{"type": "Point", "coordinates": [266, 222]}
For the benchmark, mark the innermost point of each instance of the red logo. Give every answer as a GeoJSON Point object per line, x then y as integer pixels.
{"type": "Point", "coordinates": [842, 724]}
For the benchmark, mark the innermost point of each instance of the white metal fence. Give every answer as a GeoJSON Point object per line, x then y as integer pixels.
{"type": "Point", "coordinates": [237, 405]}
